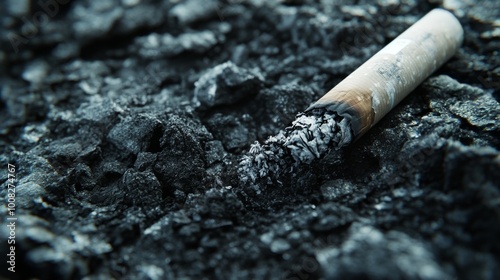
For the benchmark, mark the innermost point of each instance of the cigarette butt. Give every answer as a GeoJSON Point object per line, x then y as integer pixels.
{"type": "Point", "coordinates": [359, 101]}
{"type": "Point", "coordinates": [378, 85]}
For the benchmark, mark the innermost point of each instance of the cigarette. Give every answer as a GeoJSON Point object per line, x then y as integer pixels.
{"type": "Point", "coordinates": [359, 101]}
{"type": "Point", "coordinates": [378, 85]}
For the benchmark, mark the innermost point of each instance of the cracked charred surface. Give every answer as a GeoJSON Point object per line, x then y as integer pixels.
{"type": "Point", "coordinates": [123, 173]}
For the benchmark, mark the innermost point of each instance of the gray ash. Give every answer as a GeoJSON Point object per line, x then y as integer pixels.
{"type": "Point", "coordinates": [311, 136]}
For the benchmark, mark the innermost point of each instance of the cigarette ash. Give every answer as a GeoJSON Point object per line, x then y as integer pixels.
{"type": "Point", "coordinates": [311, 136]}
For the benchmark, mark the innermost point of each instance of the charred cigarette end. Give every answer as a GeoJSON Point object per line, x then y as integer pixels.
{"type": "Point", "coordinates": [354, 106]}
{"type": "Point", "coordinates": [316, 132]}
{"type": "Point", "coordinates": [358, 102]}
{"type": "Point", "coordinates": [311, 136]}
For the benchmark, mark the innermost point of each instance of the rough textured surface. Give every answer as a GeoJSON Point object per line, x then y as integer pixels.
{"type": "Point", "coordinates": [122, 174]}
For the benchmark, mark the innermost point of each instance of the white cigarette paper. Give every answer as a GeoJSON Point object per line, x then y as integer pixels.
{"type": "Point", "coordinates": [378, 85]}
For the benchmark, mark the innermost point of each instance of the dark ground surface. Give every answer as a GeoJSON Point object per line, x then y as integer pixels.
{"type": "Point", "coordinates": [126, 170]}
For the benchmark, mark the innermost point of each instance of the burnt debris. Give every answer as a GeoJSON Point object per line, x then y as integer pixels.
{"type": "Point", "coordinates": [120, 174]}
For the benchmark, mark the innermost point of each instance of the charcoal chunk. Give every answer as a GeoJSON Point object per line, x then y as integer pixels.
{"type": "Point", "coordinates": [141, 188]}
{"type": "Point", "coordinates": [134, 134]}
{"type": "Point", "coordinates": [225, 84]}
{"type": "Point", "coordinates": [181, 160]}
